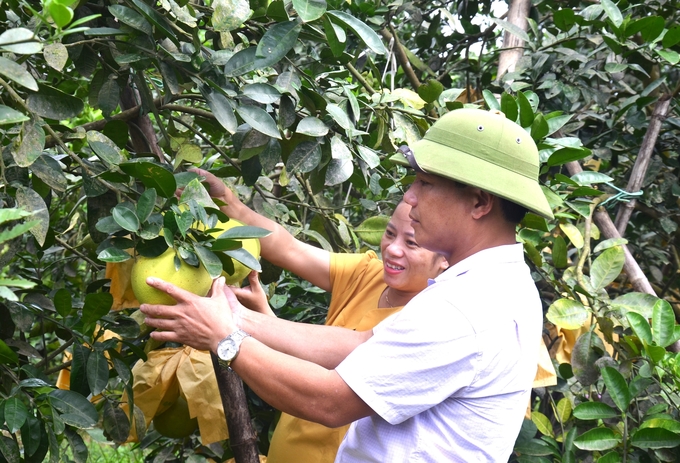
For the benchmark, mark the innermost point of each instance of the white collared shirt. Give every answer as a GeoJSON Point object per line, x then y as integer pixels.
{"type": "Point", "coordinates": [450, 375]}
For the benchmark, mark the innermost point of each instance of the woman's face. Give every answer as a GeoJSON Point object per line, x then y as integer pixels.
{"type": "Point", "coordinates": [407, 266]}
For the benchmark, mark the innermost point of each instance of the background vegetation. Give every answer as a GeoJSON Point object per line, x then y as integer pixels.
{"type": "Point", "coordinates": [297, 104]}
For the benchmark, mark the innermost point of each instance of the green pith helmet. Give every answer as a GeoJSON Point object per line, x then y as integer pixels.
{"type": "Point", "coordinates": [482, 149]}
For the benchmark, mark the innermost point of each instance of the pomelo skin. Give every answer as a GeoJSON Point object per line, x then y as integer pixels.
{"type": "Point", "coordinates": [194, 279]}
{"type": "Point", "coordinates": [176, 422]}
{"type": "Point", "coordinates": [251, 245]}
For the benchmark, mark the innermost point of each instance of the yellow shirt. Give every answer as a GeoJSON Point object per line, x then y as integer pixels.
{"type": "Point", "coordinates": [357, 283]}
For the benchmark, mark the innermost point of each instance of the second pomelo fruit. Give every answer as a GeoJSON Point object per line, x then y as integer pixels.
{"type": "Point", "coordinates": [194, 279]}
{"type": "Point", "coordinates": [252, 245]}
{"type": "Point", "coordinates": [176, 421]}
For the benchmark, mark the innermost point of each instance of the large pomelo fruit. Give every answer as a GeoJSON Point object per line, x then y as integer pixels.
{"type": "Point", "coordinates": [194, 279]}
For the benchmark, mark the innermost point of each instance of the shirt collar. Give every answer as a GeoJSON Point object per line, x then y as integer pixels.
{"type": "Point", "coordinates": [491, 256]}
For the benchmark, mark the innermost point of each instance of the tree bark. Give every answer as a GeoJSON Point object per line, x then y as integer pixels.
{"type": "Point", "coordinates": [142, 133]}
{"type": "Point", "coordinates": [242, 436]}
{"type": "Point", "coordinates": [644, 156]}
{"type": "Point", "coordinates": [513, 46]}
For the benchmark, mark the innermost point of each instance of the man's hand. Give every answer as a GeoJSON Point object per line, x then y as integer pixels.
{"type": "Point", "coordinates": [199, 322]}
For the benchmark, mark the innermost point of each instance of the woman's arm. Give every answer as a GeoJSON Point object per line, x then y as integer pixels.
{"type": "Point", "coordinates": [280, 248]}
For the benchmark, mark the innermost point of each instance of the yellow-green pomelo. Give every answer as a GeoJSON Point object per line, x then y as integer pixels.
{"type": "Point", "coordinates": [252, 245]}
{"type": "Point", "coordinates": [194, 279]}
{"type": "Point", "coordinates": [176, 422]}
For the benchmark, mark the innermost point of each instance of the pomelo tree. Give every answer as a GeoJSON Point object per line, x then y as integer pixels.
{"type": "Point", "coordinates": [297, 104]}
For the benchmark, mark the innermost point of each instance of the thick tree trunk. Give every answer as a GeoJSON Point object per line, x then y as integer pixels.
{"type": "Point", "coordinates": [242, 436]}
{"type": "Point", "coordinates": [513, 46]}
{"type": "Point", "coordinates": [142, 133]}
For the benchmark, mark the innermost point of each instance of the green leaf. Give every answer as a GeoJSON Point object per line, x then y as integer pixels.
{"type": "Point", "coordinates": [104, 148]}
{"type": "Point", "coordinates": [559, 253]}
{"type": "Point", "coordinates": [539, 128]}
{"type": "Point", "coordinates": [671, 56]}
{"type": "Point", "coordinates": [335, 36]}
{"type": "Point", "coordinates": [17, 73]}
{"type": "Point", "coordinates": [340, 116]}
{"type": "Point", "coordinates": [664, 423]}
{"type": "Point", "coordinates": [210, 261]}
{"type": "Point", "coordinates": [47, 168]}
{"type": "Point", "coordinates": [262, 93]}
{"type": "Point", "coordinates": [15, 414]}
{"type": "Point", "coordinates": [655, 438]}
{"type": "Point", "coordinates": [617, 387]}
{"type": "Point", "coordinates": [221, 108]}
{"type": "Point", "coordinates": [310, 10]}
{"type": "Point", "coordinates": [116, 423]}
{"type": "Point", "coordinates": [542, 423]}
{"type": "Point", "coordinates": [125, 215]}
{"type": "Point", "coordinates": [563, 410]}
{"type": "Point", "coordinates": [513, 29]}
{"type": "Point", "coordinates": [650, 27]}
{"type": "Point", "coordinates": [597, 439]}
{"type": "Point", "coordinates": [663, 323]}
{"type": "Point", "coordinates": [365, 33]}
{"type": "Point", "coordinates": [20, 40]}
{"type": "Point", "coordinates": [245, 258]}
{"type": "Point", "coordinates": [30, 145]}
{"type": "Point", "coordinates": [556, 123]}
{"type": "Point", "coordinates": [7, 355]}
{"type": "Point", "coordinates": [62, 15]}
{"type": "Point", "coordinates": [114, 255]}
{"type": "Point", "coordinates": [229, 15]}
{"type": "Point", "coordinates": [96, 306]}
{"type": "Point", "coordinates": [54, 104]}
{"type": "Point", "coordinates": [526, 113]}
{"type": "Point", "coordinates": [11, 116]}
{"type": "Point", "coordinates": [372, 229]}
{"type": "Point", "coordinates": [157, 20]}
{"type": "Point", "coordinates": [146, 204]}
{"type": "Point", "coordinates": [340, 167]}
{"type": "Point", "coordinates": [573, 234]}
{"type": "Point", "coordinates": [564, 155]}
{"type": "Point", "coordinates": [490, 100]}
{"type": "Point", "coordinates": [63, 302]}
{"type": "Point", "coordinates": [590, 178]}
{"type": "Point", "coordinates": [304, 158]}
{"type": "Point", "coordinates": [312, 126]}
{"type": "Point", "coordinates": [30, 200]}
{"type": "Point", "coordinates": [195, 191]}
{"type": "Point", "coordinates": [586, 351]}
{"type": "Point", "coordinates": [641, 303]}
{"type": "Point", "coordinates": [612, 11]}
{"type": "Point", "coordinates": [568, 314]}
{"type": "Point", "coordinates": [640, 327]}
{"type": "Point", "coordinates": [130, 17]}
{"type": "Point", "coordinates": [672, 37]}
{"type": "Point", "coordinates": [509, 106]}
{"type": "Point", "coordinates": [78, 447]}
{"type": "Point", "coordinates": [77, 410]}
{"type": "Point", "coordinates": [152, 175]}
{"type": "Point", "coordinates": [97, 372]}
{"type": "Point", "coordinates": [607, 267]}
{"type": "Point", "coordinates": [9, 449]}
{"type": "Point", "coordinates": [278, 41]}
{"type": "Point", "coordinates": [109, 95]}
{"type": "Point", "coordinates": [260, 120]}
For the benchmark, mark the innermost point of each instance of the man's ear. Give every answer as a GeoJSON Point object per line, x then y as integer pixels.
{"type": "Point", "coordinates": [483, 203]}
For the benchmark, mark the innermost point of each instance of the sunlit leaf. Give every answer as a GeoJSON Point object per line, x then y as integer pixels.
{"type": "Point", "coordinates": [597, 439]}
{"type": "Point", "coordinates": [568, 314]}
{"type": "Point", "coordinates": [365, 33]}
{"type": "Point", "coordinates": [655, 438]}
{"type": "Point", "coordinates": [30, 144]}
{"type": "Point", "coordinates": [607, 267]}
{"type": "Point", "coordinates": [594, 411]}
{"type": "Point", "coordinates": [259, 119]}
{"type": "Point", "coordinates": [617, 387]}
{"type": "Point", "coordinates": [230, 14]}
{"type": "Point", "coordinates": [20, 40]}
{"type": "Point", "coordinates": [663, 323]}
{"type": "Point", "coordinates": [11, 116]}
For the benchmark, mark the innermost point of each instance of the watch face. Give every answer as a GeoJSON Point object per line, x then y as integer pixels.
{"type": "Point", "coordinates": [226, 350]}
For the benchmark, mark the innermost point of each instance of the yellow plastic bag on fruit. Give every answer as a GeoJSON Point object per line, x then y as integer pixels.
{"type": "Point", "coordinates": [157, 383]}
{"type": "Point", "coordinates": [121, 286]}
{"type": "Point", "coordinates": [545, 374]}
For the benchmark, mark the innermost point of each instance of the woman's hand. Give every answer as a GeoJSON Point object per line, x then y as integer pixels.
{"type": "Point", "coordinates": [253, 297]}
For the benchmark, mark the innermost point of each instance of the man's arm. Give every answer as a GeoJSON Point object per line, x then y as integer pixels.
{"type": "Point", "coordinates": [289, 365]}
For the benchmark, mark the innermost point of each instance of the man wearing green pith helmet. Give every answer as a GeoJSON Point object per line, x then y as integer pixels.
{"type": "Point", "coordinates": [448, 377]}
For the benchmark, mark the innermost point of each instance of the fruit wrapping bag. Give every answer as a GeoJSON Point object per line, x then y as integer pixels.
{"type": "Point", "coordinates": [121, 287]}
{"type": "Point", "coordinates": [157, 383]}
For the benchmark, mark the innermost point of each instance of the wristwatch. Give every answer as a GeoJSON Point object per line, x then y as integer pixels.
{"type": "Point", "coordinates": [227, 349]}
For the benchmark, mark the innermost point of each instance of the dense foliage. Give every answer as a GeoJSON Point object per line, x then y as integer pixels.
{"type": "Point", "coordinates": [297, 104]}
